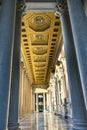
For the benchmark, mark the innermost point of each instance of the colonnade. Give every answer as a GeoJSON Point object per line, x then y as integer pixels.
{"type": "Point", "coordinates": [58, 91]}
{"type": "Point", "coordinates": [36, 102]}
{"type": "Point", "coordinates": [25, 98]}
{"type": "Point", "coordinates": [74, 29]}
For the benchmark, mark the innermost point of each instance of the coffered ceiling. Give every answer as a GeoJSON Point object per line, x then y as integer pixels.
{"type": "Point", "coordinates": [41, 32]}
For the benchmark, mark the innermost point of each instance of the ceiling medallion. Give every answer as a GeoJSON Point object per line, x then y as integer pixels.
{"type": "Point", "coordinates": [39, 20]}
{"type": "Point", "coordinates": [39, 50]}
{"type": "Point", "coordinates": [40, 59]}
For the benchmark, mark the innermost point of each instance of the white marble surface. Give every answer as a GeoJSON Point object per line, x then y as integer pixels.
{"type": "Point", "coordinates": [43, 121]}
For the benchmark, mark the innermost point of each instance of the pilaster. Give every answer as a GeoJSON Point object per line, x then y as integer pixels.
{"type": "Point", "coordinates": [21, 90]}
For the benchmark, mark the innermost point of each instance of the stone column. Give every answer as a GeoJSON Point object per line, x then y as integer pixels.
{"type": "Point", "coordinates": [79, 29]}
{"type": "Point", "coordinates": [78, 104]}
{"type": "Point", "coordinates": [50, 101]}
{"type": "Point", "coordinates": [49, 104]}
{"type": "Point", "coordinates": [63, 81]}
{"type": "Point", "coordinates": [25, 98]}
{"type": "Point", "coordinates": [36, 102]}
{"type": "Point", "coordinates": [33, 101]}
{"type": "Point", "coordinates": [56, 94]}
{"type": "Point", "coordinates": [30, 97]}
{"type": "Point", "coordinates": [27, 91]}
{"type": "Point", "coordinates": [37, 121]}
{"type": "Point", "coordinates": [24, 94]}
{"type": "Point", "coordinates": [47, 101]}
{"type": "Point", "coordinates": [21, 89]}
{"type": "Point", "coordinates": [7, 20]}
{"type": "Point", "coordinates": [14, 96]}
{"type": "Point", "coordinates": [44, 102]}
{"type": "Point", "coordinates": [59, 97]}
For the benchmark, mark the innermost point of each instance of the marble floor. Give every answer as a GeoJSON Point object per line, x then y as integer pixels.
{"type": "Point", "coordinates": [43, 121]}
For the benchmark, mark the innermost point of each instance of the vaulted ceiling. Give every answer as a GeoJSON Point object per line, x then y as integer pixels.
{"type": "Point", "coordinates": [41, 33]}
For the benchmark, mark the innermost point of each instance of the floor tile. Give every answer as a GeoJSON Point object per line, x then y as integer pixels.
{"type": "Point", "coordinates": [43, 121]}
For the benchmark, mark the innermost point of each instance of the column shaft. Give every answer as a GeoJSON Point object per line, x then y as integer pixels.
{"type": "Point", "coordinates": [20, 92]}
{"type": "Point", "coordinates": [36, 102]}
{"type": "Point", "coordinates": [50, 101]}
{"type": "Point", "coordinates": [78, 104]}
{"type": "Point", "coordinates": [56, 95]}
{"type": "Point", "coordinates": [30, 97]}
{"type": "Point", "coordinates": [14, 96]}
{"type": "Point", "coordinates": [7, 16]}
{"type": "Point", "coordinates": [33, 100]}
{"type": "Point", "coordinates": [25, 98]}
{"type": "Point", "coordinates": [79, 29]}
{"type": "Point", "coordinates": [47, 102]}
{"type": "Point", "coordinates": [44, 101]}
{"type": "Point", "coordinates": [22, 87]}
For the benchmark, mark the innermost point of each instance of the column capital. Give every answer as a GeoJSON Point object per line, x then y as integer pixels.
{"type": "Point", "coordinates": [0, 3]}
{"type": "Point", "coordinates": [20, 5]}
{"type": "Point", "coordinates": [61, 7]}
{"type": "Point", "coordinates": [22, 64]}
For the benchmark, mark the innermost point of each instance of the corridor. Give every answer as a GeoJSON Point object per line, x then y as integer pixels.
{"type": "Point", "coordinates": [43, 64]}
{"type": "Point", "coordinates": [43, 121]}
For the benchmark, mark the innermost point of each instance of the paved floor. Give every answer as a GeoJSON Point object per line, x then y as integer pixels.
{"type": "Point", "coordinates": [43, 121]}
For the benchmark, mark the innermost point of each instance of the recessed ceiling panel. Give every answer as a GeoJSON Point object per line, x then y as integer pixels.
{"type": "Point", "coordinates": [39, 22]}
{"type": "Point", "coordinates": [41, 33]}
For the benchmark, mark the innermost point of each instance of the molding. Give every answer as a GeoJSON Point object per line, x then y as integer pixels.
{"type": "Point", "coordinates": [39, 90]}
{"type": "Point", "coordinates": [40, 6]}
{"type": "Point", "coordinates": [59, 48]}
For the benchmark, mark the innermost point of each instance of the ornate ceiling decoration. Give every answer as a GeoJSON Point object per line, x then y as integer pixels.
{"type": "Point", "coordinates": [40, 59]}
{"type": "Point", "coordinates": [40, 65]}
{"type": "Point", "coordinates": [40, 37]}
{"type": "Point", "coordinates": [39, 22]}
{"type": "Point", "coordinates": [40, 50]}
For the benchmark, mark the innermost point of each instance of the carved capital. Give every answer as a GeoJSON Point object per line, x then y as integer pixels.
{"type": "Point", "coordinates": [21, 64]}
{"type": "Point", "coordinates": [20, 5]}
{"type": "Point", "coordinates": [0, 2]}
{"type": "Point", "coordinates": [61, 7]}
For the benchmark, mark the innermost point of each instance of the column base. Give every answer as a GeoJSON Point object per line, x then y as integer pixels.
{"type": "Point", "coordinates": [13, 126]}
{"type": "Point", "coordinates": [78, 125]}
